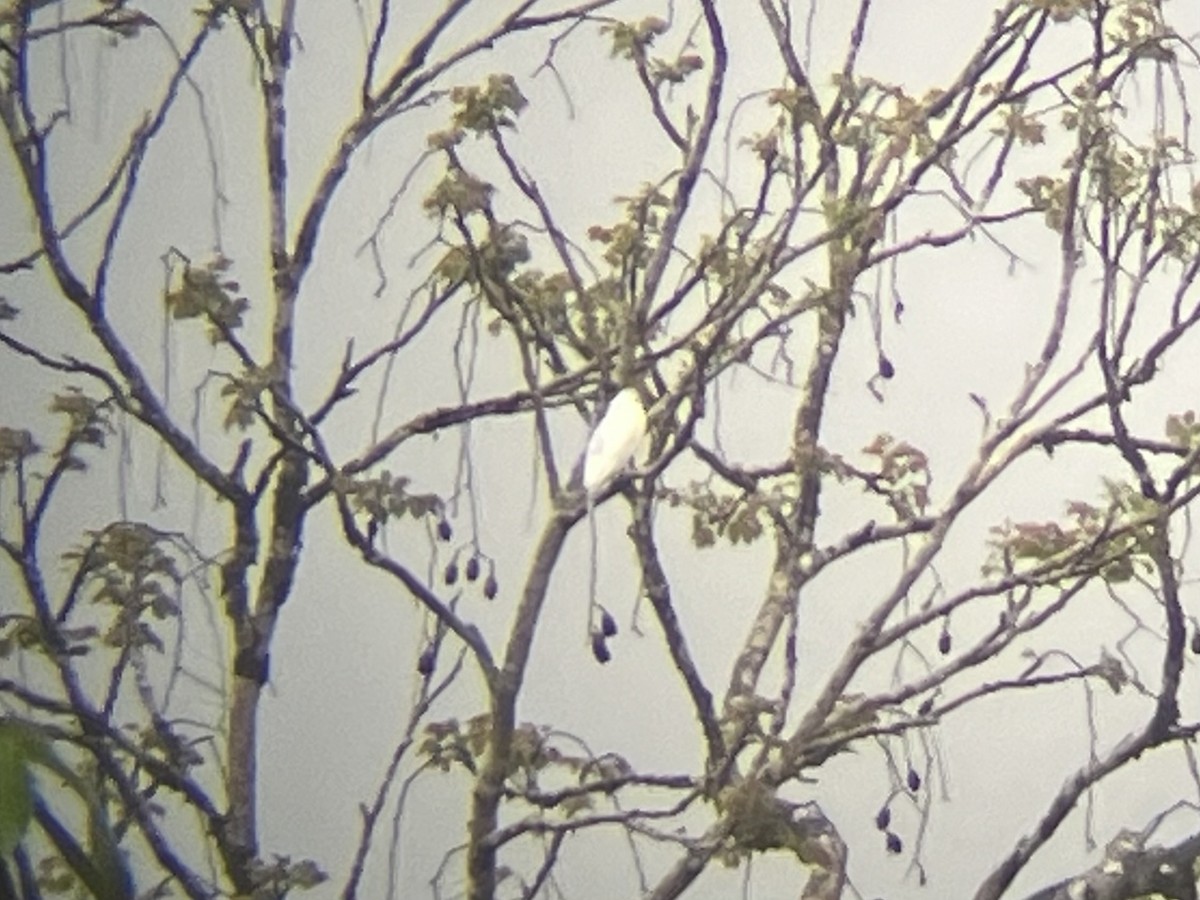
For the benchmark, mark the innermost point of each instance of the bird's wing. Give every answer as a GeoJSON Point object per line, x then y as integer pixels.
{"type": "Point", "coordinates": [593, 460]}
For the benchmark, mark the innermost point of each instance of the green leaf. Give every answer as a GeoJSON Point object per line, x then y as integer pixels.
{"type": "Point", "coordinates": [110, 878]}
{"type": "Point", "coordinates": [22, 746]}
{"type": "Point", "coordinates": [16, 793]}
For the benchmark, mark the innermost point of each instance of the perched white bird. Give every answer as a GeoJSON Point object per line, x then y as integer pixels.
{"type": "Point", "coordinates": [614, 441]}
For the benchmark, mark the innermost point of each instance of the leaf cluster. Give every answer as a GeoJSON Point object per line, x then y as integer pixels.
{"type": "Point", "coordinates": [16, 445]}
{"type": "Point", "coordinates": [206, 293]}
{"type": "Point", "coordinates": [494, 104]}
{"type": "Point", "coordinates": [675, 71]}
{"type": "Point", "coordinates": [738, 518]}
{"type": "Point", "coordinates": [460, 191]}
{"type": "Point", "coordinates": [903, 475]}
{"type": "Point", "coordinates": [630, 39]}
{"type": "Point", "coordinates": [126, 567]}
{"type": "Point", "coordinates": [1062, 10]}
{"type": "Point", "coordinates": [884, 115]}
{"type": "Point", "coordinates": [88, 423]}
{"type": "Point", "coordinates": [1183, 429]}
{"type": "Point", "coordinates": [280, 875]}
{"type": "Point", "coordinates": [245, 393]}
{"type": "Point", "coordinates": [531, 755]}
{"type": "Point", "coordinates": [386, 496]}
{"type": "Point", "coordinates": [27, 633]}
{"type": "Point", "coordinates": [1115, 540]}
{"type": "Point", "coordinates": [757, 821]}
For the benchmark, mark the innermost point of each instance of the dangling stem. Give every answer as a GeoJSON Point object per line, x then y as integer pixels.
{"type": "Point", "coordinates": [592, 573]}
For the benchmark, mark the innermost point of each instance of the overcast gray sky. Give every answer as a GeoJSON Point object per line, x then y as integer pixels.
{"type": "Point", "coordinates": [343, 666]}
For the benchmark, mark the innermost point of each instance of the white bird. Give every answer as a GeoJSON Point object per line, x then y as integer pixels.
{"type": "Point", "coordinates": [614, 441]}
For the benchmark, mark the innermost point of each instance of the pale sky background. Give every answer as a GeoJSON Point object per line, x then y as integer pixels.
{"type": "Point", "coordinates": [343, 663]}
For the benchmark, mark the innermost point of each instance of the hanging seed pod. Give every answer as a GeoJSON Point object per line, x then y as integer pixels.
{"type": "Point", "coordinates": [1196, 641]}
{"type": "Point", "coordinates": [451, 574]}
{"type": "Point", "coordinates": [944, 642]}
{"type": "Point", "coordinates": [886, 369]}
{"type": "Point", "coordinates": [926, 707]}
{"type": "Point", "coordinates": [472, 569]}
{"type": "Point", "coordinates": [608, 625]}
{"type": "Point", "coordinates": [600, 648]}
{"type": "Point", "coordinates": [444, 531]}
{"type": "Point", "coordinates": [914, 780]}
{"type": "Point", "coordinates": [894, 844]}
{"type": "Point", "coordinates": [425, 662]}
{"type": "Point", "coordinates": [883, 818]}
{"type": "Point", "coordinates": [491, 587]}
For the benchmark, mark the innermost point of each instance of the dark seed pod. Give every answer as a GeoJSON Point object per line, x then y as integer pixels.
{"type": "Point", "coordinates": [886, 369]}
{"type": "Point", "coordinates": [894, 844]}
{"type": "Point", "coordinates": [914, 780]}
{"type": "Point", "coordinates": [1196, 641]}
{"type": "Point", "coordinates": [600, 648]}
{"type": "Point", "coordinates": [451, 573]}
{"type": "Point", "coordinates": [926, 707]}
{"type": "Point", "coordinates": [944, 642]}
{"type": "Point", "coordinates": [491, 587]}
{"type": "Point", "coordinates": [608, 625]}
{"type": "Point", "coordinates": [472, 569]}
{"type": "Point", "coordinates": [425, 662]}
{"type": "Point", "coordinates": [444, 531]}
{"type": "Point", "coordinates": [883, 818]}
